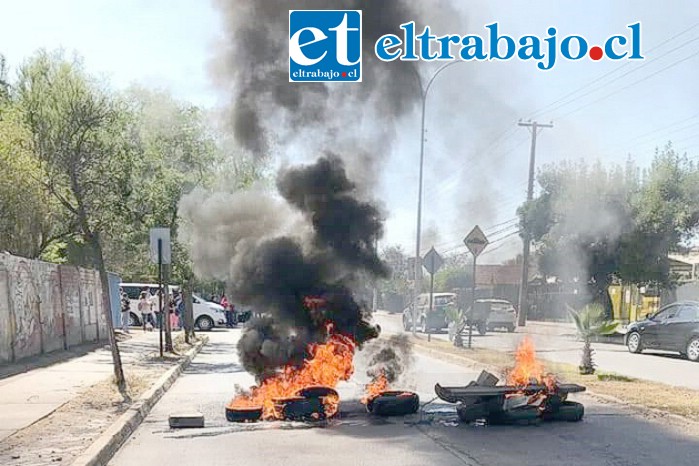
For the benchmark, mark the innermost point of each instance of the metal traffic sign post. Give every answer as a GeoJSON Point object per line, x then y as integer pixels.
{"type": "Point", "coordinates": [160, 253]}
{"type": "Point", "coordinates": [476, 243]}
{"type": "Point", "coordinates": [432, 262]}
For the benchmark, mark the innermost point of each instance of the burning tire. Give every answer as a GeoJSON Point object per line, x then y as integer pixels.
{"type": "Point", "coordinates": [394, 403]}
{"type": "Point", "coordinates": [328, 397]}
{"type": "Point", "coordinates": [243, 414]}
{"type": "Point", "coordinates": [299, 408]}
{"type": "Point", "coordinates": [317, 391]}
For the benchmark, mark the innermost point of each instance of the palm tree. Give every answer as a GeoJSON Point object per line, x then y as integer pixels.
{"type": "Point", "coordinates": [455, 317]}
{"type": "Point", "coordinates": [590, 322]}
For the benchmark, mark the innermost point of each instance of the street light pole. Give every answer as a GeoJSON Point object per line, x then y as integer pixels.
{"type": "Point", "coordinates": [418, 259]}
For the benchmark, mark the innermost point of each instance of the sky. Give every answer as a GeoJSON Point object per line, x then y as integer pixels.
{"type": "Point", "coordinates": [476, 156]}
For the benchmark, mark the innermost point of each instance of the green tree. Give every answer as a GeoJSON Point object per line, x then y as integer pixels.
{"type": "Point", "coordinates": [28, 224]}
{"type": "Point", "coordinates": [452, 277]}
{"type": "Point", "coordinates": [77, 131]}
{"type": "Point", "coordinates": [595, 224]}
{"type": "Point", "coordinates": [176, 151]}
{"type": "Point", "coordinates": [590, 323]}
{"type": "Point", "coordinates": [397, 261]}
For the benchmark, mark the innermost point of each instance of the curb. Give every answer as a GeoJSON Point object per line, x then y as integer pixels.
{"type": "Point", "coordinates": [465, 360]}
{"type": "Point", "coordinates": [107, 444]}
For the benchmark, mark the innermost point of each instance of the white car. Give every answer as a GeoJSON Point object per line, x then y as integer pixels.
{"type": "Point", "coordinates": [207, 315]}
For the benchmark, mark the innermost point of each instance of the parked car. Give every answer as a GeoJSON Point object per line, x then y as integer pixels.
{"type": "Point", "coordinates": [207, 315]}
{"type": "Point", "coordinates": [491, 313]}
{"type": "Point", "coordinates": [502, 315]}
{"type": "Point", "coordinates": [674, 327]}
{"type": "Point", "coordinates": [426, 319]}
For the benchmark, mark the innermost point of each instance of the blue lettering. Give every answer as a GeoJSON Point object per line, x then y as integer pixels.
{"type": "Point", "coordinates": [609, 47]}
{"type": "Point", "coordinates": [534, 48]}
{"type": "Point", "coordinates": [635, 41]}
{"type": "Point", "coordinates": [495, 43]}
{"type": "Point", "coordinates": [470, 51]}
{"type": "Point", "coordinates": [445, 48]}
{"type": "Point", "coordinates": [565, 47]}
{"type": "Point", "coordinates": [425, 45]}
{"type": "Point", "coordinates": [409, 40]}
{"type": "Point", "coordinates": [551, 41]}
{"type": "Point", "coordinates": [384, 44]}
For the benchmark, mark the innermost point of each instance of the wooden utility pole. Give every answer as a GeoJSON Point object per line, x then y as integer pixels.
{"type": "Point", "coordinates": [523, 306]}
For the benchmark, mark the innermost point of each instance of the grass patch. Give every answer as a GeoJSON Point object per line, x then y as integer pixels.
{"type": "Point", "coordinates": [676, 400]}
{"type": "Point", "coordinates": [612, 377]}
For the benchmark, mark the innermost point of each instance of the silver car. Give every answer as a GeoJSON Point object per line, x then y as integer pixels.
{"type": "Point", "coordinates": [502, 315]}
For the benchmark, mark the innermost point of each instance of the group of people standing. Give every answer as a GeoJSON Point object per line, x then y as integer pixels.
{"type": "Point", "coordinates": [148, 308]}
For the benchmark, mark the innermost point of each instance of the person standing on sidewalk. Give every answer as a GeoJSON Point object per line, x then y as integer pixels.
{"type": "Point", "coordinates": [125, 311]}
{"type": "Point", "coordinates": [144, 307]}
{"type": "Point", "coordinates": [226, 310]}
{"type": "Point", "coordinates": [179, 310]}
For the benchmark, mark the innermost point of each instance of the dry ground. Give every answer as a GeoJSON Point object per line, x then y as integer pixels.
{"type": "Point", "coordinates": [71, 429]}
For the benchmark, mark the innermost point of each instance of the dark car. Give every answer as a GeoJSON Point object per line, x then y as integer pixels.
{"type": "Point", "coordinates": [434, 319]}
{"type": "Point", "coordinates": [674, 327]}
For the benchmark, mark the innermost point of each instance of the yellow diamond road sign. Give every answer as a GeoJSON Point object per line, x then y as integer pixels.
{"type": "Point", "coordinates": [432, 261]}
{"type": "Point", "coordinates": [476, 241]}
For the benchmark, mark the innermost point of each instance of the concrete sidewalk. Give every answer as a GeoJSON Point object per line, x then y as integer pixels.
{"type": "Point", "coordinates": [30, 396]}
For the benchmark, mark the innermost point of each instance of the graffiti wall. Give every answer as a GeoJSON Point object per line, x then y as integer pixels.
{"type": "Point", "coordinates": [47, 307]}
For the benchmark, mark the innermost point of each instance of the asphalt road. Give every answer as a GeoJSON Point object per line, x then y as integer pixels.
{"type": "Point", "coordinates": [560, 345]}
{"type": "Point", "coordinates": [609, 435]}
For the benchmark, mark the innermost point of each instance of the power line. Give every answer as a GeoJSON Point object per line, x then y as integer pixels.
{"type": "Point", "coordinates": [671, 65]}
{"type": "Point", "coordinates": [621, 67]}
{"type": "Point", "coordinates": [495, 241]}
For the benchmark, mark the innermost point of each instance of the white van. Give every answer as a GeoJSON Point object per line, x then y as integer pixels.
{"type": "Point", "coordinates": [207, 315]}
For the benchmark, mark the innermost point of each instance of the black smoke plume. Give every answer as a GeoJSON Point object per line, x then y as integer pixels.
{"type": "Point", "coordinates": [269, 112]}
{"type": "Point", "coordinates": [278, 276]}
{"type": "Point", "coordinates": [391, 357]}
{"type": "Point", "coordinates": [269, 265]}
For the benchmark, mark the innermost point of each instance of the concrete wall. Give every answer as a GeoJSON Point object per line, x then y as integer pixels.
{"type": "Point", "coordinates": [47, 307]}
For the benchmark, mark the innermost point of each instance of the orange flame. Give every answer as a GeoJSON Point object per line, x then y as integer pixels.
{"type": "Point", "coordinates": [528, 370]}
{"type": "Point", "coordinates": [378, 385]}
{"type": "Point", "coordinates": [330, 363]}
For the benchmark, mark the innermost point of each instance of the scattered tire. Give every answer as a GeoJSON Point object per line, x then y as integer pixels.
{"type": "Point", "coordinates": [243, 414]}
{"type": "Point", "coordinates": [472, 412]}
{"type": "Point", "coordinates": [634, 343]}
{"type": "Point", "coordinates": [569, 411]}
{"type": "Point", "coordinates": [693, 349]}
{"type": "Point", "coordinates": [394, 403]}
{"type": "Point", "coordinates": [299, 408]}
{"type": "Point", "coordinates": [524, 416]}
{"type": "Point", "coordinates": [204, 323]}
{"type": "Point", "coordinates": [317, 391]}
